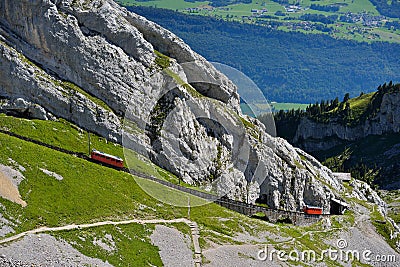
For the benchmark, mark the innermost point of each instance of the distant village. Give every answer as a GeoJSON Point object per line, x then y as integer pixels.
{"type": "Point", "coordinates": [259, 16]}
{"type": "Point", "coordinates": [364, 18]}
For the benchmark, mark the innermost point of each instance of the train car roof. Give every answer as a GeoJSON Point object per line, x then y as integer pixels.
{"type": "Point", "coordinates": [313, 207]}
{"type": "Point", "coordinates": [107, 155]}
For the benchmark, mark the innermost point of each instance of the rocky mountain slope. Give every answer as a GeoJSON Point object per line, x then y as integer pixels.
{"type": "Point", "coordinates": [93, 63]}
{"type": "Point", "coordinates": [362, 133]}
{"type": "Point", "coordinates": [385, 120]}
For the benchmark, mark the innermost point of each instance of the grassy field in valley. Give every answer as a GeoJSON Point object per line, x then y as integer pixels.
{"type": "Point", "coordinates": [236, 12]}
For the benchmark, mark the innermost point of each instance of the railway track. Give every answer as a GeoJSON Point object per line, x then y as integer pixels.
{"type": "Point", "coordinates": [273, 215]}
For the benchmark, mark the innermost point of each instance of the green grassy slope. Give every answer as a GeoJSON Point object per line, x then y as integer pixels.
{"type": "Point", "coordinates": [66, 135]}
{"type": "Point", "coordinates": [90, 193]}
{"type": "Point", "coordinates": [132, 244]}
{"type": "Point", "coordinates": [59, 133]}
{"type": "Point", "coordinates": [359, 105]}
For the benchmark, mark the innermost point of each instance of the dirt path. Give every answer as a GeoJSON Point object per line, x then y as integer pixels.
{"type": "Point", "coordinates": [193, 226]}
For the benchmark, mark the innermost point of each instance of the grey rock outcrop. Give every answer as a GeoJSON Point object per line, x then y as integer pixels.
{"type": "Point", "coordinates": [27, 86]}
{"type": "Point", "coordinates": [20, 107]}
{"type": "Point", "coordinates": [362, 191]}
{"type": "Point", "coordinates": [310, 134]}
{"type": "Point", "coordinates": [93, 62]}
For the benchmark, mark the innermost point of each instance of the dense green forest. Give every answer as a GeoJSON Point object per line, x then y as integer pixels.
{"type": "Point", "coordinates": [326, 8]}
{"type": "Point", "coordinates": [287, 66]}
{"type": "Point", "coordinates": [388, 8]}
{"type": "Point", "coordinates": [367, 159]}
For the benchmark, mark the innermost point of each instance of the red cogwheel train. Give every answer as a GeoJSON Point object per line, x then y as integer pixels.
{"type": "Point", "coordinates": [117, 162]}
{"type": "Point", "coordinates": [312, 210]}
{"type": "Point", "coordinates": [107, 159]}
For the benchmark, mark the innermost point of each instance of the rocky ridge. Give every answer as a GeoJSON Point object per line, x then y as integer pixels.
{"type": "Point", "coordinates": [315, 136]}
{"type": "Point", "coordinates": [94, 63]}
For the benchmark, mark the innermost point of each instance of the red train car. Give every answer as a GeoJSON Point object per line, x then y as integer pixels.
{"type": "Point", "coordinates": [312, 210]}
{"type": "Point", "coordinates": [107, 158]}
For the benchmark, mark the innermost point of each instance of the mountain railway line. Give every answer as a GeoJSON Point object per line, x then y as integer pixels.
{"type": "Point", "coordinates": [272, 215]}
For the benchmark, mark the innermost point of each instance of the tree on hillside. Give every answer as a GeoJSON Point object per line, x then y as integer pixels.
{"type": "Point", "coordinates": [347, 110]}
{"type": "Point", "coordinates": [335, 103]}
{"type": "Point", "coordinates": [346, 97]}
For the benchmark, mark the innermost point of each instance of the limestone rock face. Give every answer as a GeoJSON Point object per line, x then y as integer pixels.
{"type": "Point", "coordinates": [362, 191]}
{"type": "Point", "coordinates": [387, 120]}
{"type": "Point", "coordinates": [31, 89]}
{"type": "Point", "coordinates": [119, 75]}
{"type": "Point", "coordinates": [20, 106]}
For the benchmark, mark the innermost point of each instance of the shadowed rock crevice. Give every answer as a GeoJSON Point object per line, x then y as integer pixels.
{"type": "Point", "coordinates": [251, 166]}
{"type": "Point", "coordinates": [158, 115]}
{"type": "Point", "coordinates": [215, 129]}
